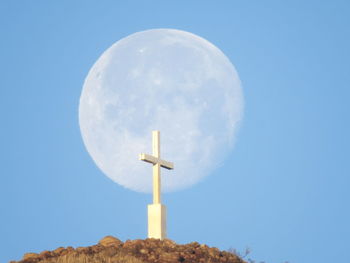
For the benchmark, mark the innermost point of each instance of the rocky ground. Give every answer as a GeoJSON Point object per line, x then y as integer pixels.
{"type": "Point", "coordinates": [112, 250]}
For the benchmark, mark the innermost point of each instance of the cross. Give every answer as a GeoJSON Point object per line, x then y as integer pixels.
{"type": "Point", "coordinates": [157, 163]}
{"type": "Point", "coordinates": [156, 211]}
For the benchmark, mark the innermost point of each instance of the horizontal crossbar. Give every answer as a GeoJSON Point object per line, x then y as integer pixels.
{"type": "Point", "coordinates": [154, 160]}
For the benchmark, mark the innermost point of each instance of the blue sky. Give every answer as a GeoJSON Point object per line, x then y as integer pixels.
{"type": "Point", "coordinates": [283, 190]}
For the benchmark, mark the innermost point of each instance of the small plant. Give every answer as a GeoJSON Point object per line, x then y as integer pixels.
{"type": "Point", "coordinates": [245, 254]}
{"type": "Point", "coordinates": [241, 255]}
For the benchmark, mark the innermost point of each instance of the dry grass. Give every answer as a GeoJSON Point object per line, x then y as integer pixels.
{"type": "Point", "coordinates": [97, 258]}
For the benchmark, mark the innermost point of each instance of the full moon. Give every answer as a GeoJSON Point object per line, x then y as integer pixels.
{"type": "Point", "coordinates": [167, 80]}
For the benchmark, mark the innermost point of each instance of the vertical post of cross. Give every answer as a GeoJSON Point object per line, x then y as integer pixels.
{"type": "Point", "coordinates": [156, 211]}
{"type": "Point", "coordinates": [156, 167]}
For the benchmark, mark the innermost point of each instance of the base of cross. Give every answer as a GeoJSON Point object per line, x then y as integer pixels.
{"type": "Point", "coordinates": [157, 221]}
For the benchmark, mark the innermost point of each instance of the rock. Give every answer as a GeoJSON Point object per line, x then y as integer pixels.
{"type": "Point", "coordinates": [45, 254]}
{"type": "Point", "coordinates": [144, 251]}
{"type": "Point", "coordinates": [97, 248]}
{"type": "Point", "coordinates": [168, 257]}
{"type": "Point", "coordinates": [213, 251]}
{"type": "Point", "coordinates": [181, 259]}
{"type": "Point", "coordinates": [30, 256]}
{"type": "Point", "coordinates": [169, 243]}
{"type": "Point", "coordinates": [204, 246]}
{"type": "Point", "coordinates": [82, 250]}
{"type": "Point", "coordinates": [59, 250]}
{"type": "Point", "coordinates": [194, 244]}
{"type": "Point", "coordinates": [110, 241]}
{"type": "Point", "coordinates": [110, 251]}
{"type": "Point", "coordinates": [70, 249]}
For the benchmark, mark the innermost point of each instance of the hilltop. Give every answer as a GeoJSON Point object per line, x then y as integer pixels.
{"type": "Point", "coordinates": [112, 250]}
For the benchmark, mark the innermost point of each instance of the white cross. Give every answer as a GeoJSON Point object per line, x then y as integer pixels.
{"type": "Point", "coordinates": [157, 163]}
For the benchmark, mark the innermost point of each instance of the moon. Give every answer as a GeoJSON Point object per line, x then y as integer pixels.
{"type": "Point", "coordinates": [167, 80]}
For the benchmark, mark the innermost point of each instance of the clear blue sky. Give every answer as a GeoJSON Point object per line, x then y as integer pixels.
{"type": "Point", "coordinates": [283, 191]}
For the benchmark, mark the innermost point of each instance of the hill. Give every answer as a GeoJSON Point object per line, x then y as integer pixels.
{"type": "Point", "coordinates": [112, 250]}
